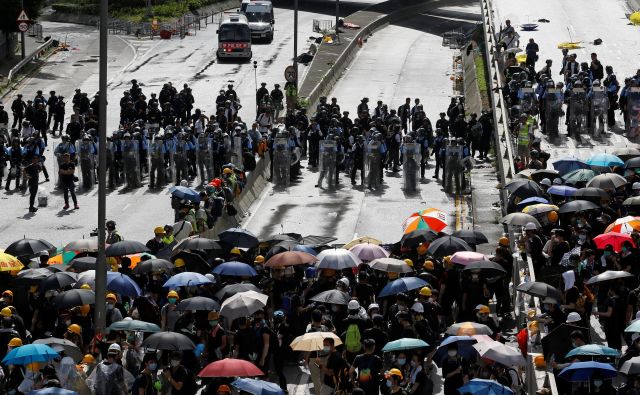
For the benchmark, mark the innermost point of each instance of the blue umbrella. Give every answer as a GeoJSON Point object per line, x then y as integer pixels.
{"type": "Point", "coordinates": [465, 348]}
{"type": "Point", "coordinates": [582, 371]}
{"type": "Point", "coordinates": [30, 353]}
{"type": "Point", "coordinates": [569, 164]}
{"type": "Point", "coordinates": [122, 284]}
{"type": "Point", "coordinates": [235, 268]}
{"type": "Point", "coordinates": [406, 343]}
{"type": "Point", "coordinates": [186, 279]}
{"type": "Point", "coordinates": [53, 391]}
{"type": "Point", "coordinates": [485, 387]}
{"type": "Point", "coordinates": [258, 387]}
{"type": "Point", "coordinates": [530, 201]}
{"type": "Point", "coordinates": [594, 350]}
{"type": "Point", "coordinates": [402, 285]}
{"type": "Point", "coordinates": [604, 160]}
{"type": "Point", "coordinates": [562, 190]}
{"type": "Point", "coordinates": [185, 193]}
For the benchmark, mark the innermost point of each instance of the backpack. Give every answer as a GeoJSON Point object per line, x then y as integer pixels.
{"type": "Point", "coordinates": [352, 339]}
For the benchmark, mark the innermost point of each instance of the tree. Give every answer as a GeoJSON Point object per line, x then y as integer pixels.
{"type": "Point", "coordinates": [11, 9]}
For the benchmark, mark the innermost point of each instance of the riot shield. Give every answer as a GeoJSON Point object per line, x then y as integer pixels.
{"type": "Point", "coordinates": [598, 110]}
{"type": "Point", "coordinates": [181, 161]}
{"type": "Point", "coordinates": [204, 160]}
{"type": "Point", "coordinates": [372, 165]}
{"type": "Point", "coordinates": [131, 163]}
{"type": "Point", "coordinates": [633, 112]}
{"type": "Point", "coordinates": [281, 163]}
{"type": "Point", "coordinates": [169, 160]}
{"type": "Point", "coordinates": [112, 171]}
{"type": "Point", "coordinates": [553, 110]}
{"type": "Point", "coordinates": [86, 154]}
{"type": "Point", "coordinates": [236, 152]}
{"type": "Point", "coordinates": [327, 164]}
{"type": "Point", "coordinates": [157, 175]}
{"type": "Point", "coordinates": [411, 166]}
{"type": "Point", "coordinates": [577, 112]}
{"type": "Point", "coordinates": [528, 101]}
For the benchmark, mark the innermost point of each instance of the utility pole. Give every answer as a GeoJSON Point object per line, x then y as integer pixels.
{"type": "Point", "coordinates": [337, 15]}
{"type": "Point", "coordinates": [295, 39]}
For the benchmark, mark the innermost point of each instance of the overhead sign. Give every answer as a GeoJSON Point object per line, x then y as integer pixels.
{"type": "Point", "coordinates": [23, 26]}
{"type": "Point", "coordinates": [23, 17]}
{"type": "Point", "coordinates": [290, 74]}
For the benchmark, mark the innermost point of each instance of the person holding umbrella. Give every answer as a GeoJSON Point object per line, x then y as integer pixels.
{"type": "Point", "coordinates": [613, 317]}
{"type": "Point", "coordinates": [455, 370]}
{"type": "Point", "coordinates": [333, 369]}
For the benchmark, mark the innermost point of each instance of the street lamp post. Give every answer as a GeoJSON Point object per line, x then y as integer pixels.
{"type": "Point", "coordinates": [255, 78]}
{"type": "Point", "coordinates": [295, 39]}
{"type": "Point", "coordinates": [337, 14]}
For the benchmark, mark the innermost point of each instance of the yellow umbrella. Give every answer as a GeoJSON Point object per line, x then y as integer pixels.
{"type": "Point", "coordinates": [521, 57]}
{"type": "Point", "coordinates": [570, 45]}
{"type": "Point", "coordinates": [312, 341]}
{"type": "Point", "coordinates": [362, 240]}
{"type": "Point", "coordinates": [9, 263]}
{"type": "Point", "coordinates": [540, 208]}
{"type": "Point", "coordinates": [635, 18]}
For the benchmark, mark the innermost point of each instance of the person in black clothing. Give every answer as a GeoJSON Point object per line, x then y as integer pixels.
{"type": "Point", "coordinates": [146, 378]}
{"type": "Point", "coordinates": [332, 369]}
{"type": "Point", "coordinates": [32, 172]}
{"type": "Point", "coordinates": [454, 370]}
{"type": "Point", "coordinates": [67, 178]}
{"type": "Point", "coordinates": [52, 102]}
{"type": "Point", "coordinates": [180, 380]}
{"type": "Point", "coordinates": [369, 367]}
{"type": "Point", "coordinates": [378, 333]}
{"type": "Point", "coordinates": [17, 107]}
{"type": "Point", "coordinates": [155, 244]}
{"type": "Point", "coordinates": [358, 159]}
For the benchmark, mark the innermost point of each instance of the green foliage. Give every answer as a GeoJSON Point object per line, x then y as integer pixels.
{"type": "Point", "coordinates": [481, 72]}
{"type": "Point", "coordinates": [11, 10]}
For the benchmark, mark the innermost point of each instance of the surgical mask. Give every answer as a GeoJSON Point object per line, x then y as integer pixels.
{"type": "Point", "coordinates": [597, 383]}
{"type": "Point", "coordinates": [213, 322]}
{"type": "Point", "coordinates": [624, 249]}
{"type": "Point", "coordinates": [389, 383]}
{"type": "Point", "coordinates": [582, 238]}
{"type": "Point", "coordinates": [452, 353]}
{"type": "Point", "coordinates": [475, 276]}
{"type": "Point", "coordinates": [174, 363]}
{"type": "Point", "coordinates": [109, 307]}
{"type": "Point", "coordinates": [401, 361]}
{"type": "Point", "coordinates": [153, 366]}
{"type": "Point", "coordinates": [326, 349]}
{"type": "Point", "coordinates": [172, 300]}
{"type": "Point", "coordinates": [606, 253]}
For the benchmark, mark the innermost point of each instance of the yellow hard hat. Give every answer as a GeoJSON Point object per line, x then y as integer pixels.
{"type": "Point", "coordinates": [425, 291]}
{"type": "Point", "coordinates": [159, 230]}
{"type": "Point", "coordinates": [235, 251]}
{"type": "Point", "coordinates": [429, 265]}
{"type": "Point", "coordinates": [539, 361]}
{"type": "Point", "coordinates": [409, 262]}
{"type": "Point", "coordinates": [504, 241]}
{"type": "Point", "coordinates": [172, 294]}
{"type": "Point", "coordinates": [6, 312]}
{"type": "Point", "coordinates": [422, 249]}
{"type": "Point", "coordinates": [259, 259]}
{"type": "Point", "coordinates": [447, 259]}
{"type": "Point", "coordinates": [75, 328]}
{"type": "Point", "coordinates": [88, 358]}
{"type": "Point", "coordinates": [33, 367]}
{"type": "Point", "coordinates": [179, 262]}
{"type": "Point", "coordinates": [85, 286]}
{"type": "Point", "coordinates": [112, 297]}
{"type": "Point", "coordinates": [394, 372]}
{"type": "Point", "coordinates": [483, 309]}
{"type": "Point", "coordinates": [227, 171]}
{"type": "Point", "coordinates": [552, 216]}
{"type": "Point", "coordinates": [15, 342]}
{"type": "Point", "coordinates": [8, 293]}
{"type": "Point", "coordinates": [84, 310]}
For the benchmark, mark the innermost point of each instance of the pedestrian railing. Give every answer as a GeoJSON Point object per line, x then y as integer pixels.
{"type": "Point", "coordinates": [188, 24]}
{"type": "Point", "coordinates": [35, 30]}
{"type": "Point", "coordinates": [322, 25]}
{"type": "Point", "coordinates": [35, 55]}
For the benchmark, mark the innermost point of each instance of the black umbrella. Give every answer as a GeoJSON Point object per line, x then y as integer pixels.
{"type": "Point", "coordinates": [485, 265]}
{"type": "Point", "coordinates": [632, 164]}
{"type": "Point", "coordinates": [169, 341]}
{"type": "Point", "coordinates": [536, 288]}
{"type": "Point", "coordinates": [541, 174]}
{"type": "Point", "coordinates": [633, 201]}
{"type": "Point", "coordinates": [73, 298]}
{"type": "Point", "coordinates": [447, 245]}
{"type": "Point", "coordinates": [516, 183]}
{"type": "Point", "coordinates": [472, 237]}
{"type": "Point", "coordinates": [591, 192]}
{"type": "Point", "coordinates": [609, 275]}
{"type": "Point", "coordinates": [28, 248]}
{"type": "Point", "coordinates": [275, 239]}
{"type": "Point", "coordinates": [417, 237]}
{"type": "Point", "coordinates": [83, 264]}
{"type": "Point", "coordinates": [126, 247]}
{"type": "Point", "coordinates": [58, 280]}
{"type": "Point", "coordinates": [33, 275]}
{"type": "Point", "coordinates": [233, 289]}
{"type": "Point", "coordinates": [238, 237]}
{"type": "Point", "coordinates": [332, 296]}
{"type": "Point", "coordinates": [317, 241]}
{"type": "Point", "coordinates": [59, 267]}
{"type": "Point", "coordinates": [198, 243]}
{"type": "Point", "coordinates": [194, 262]}
{"type": "Point", "coordinates": [577, 205]}
{"type": "Point", "coordinates": [558, 341]}
{"type": "Point", "coordinates": [153, 265]}
{"type": "Point", "coordinates": [198, 303]}
{"type": "Point", "coordinates": [69, 347]}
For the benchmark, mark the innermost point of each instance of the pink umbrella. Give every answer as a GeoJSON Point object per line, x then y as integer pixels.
{"type": "Point", "coordinates": [466, 257]}
{"type": "Point", "coordinates": [369, 252]}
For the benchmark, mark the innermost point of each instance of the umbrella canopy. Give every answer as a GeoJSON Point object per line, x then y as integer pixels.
{"type": "Point", "coordinates": [464, 344]}
{"type": "Point", "coordinates": [168, 341]}
{"type": "Point", "coordinates": [631, 366]}
{"type": "Point", "coordinates": [632, 163]}
{"type": "Point", "coordinates": [527, 189]}
{"type": "Point", "coordinates": [390, 265]}
{"type": "Point", "coordinates": [539, 175]}
{"type": "Point", "coordinates": [34, 275]}
{"type": "Point", "coordinates": [402, 285]}
{"type": "Point", "coordinates": [73, 298]}
{"type": "Point", "coordinates": [614, 239]}
{"type": "Point", "coordinates": [430, 218]}
{"type": "Point", "coordinates": [194, 261]}
{"type": "Point", "coordinates": [626, 225]}
{"type": "Point", "coordinates": [607, 181]}
{"type": "Point", "coordinates": [83, 263]}
{"type": "Point", "coordinates": [466, 257]}
{"type": "Point", "coordinates": [134, 326]}
{"type": "Point", "coordinates": [153, 266]}
{"type": "Point", "coordinates": [291, 258]}
{"type": "Point", "coordinates": [577, 205]}
{"type": "Point", "coordinates": [562, 190]}
{"type": "Point", "coordinates": [417, 237]}
{"type": "Point", "coordinates": [580, 175]}
{"type": "Point", "coordinates": [594, 350]}
{"type": "Point", "coordinates": [369, 252]}
{"type": "Point", "coordinates": [609, 275]}
{"type": "Point", "coordinates": [332, 296]}
{"type": "Point", "coordinates": [468, 329]}
{"type": "Point", "coordinates": [500, 353]}
{"type": "Point", "coordinates": [285, 246]}
{"type": "Point", "coordinates": [604, 160]}
{"type": "Point", "coordinates": [447, 245]}
{"type": "Point", "coordinates": [230, 367]}
{"type": "Point", "coordinates": [633, 201]}
{"type": "Point", "coordinates": [541, 208]}
{"type": "Point", "coordinates": [126, 247]}
{"type": "Point", "coordinates": [485, 265]}
{"type": "Point", "coordinates": [517, 182]}
{"type": "Point", "coordinates": [485, 387]}
{"type": "Point", "coordinates": [235, 269]}
{"type": "Point", "coordinates": [540, 289]}
{"type": "Point", "coordinates": [243, 304]}
{"type": "Point", "coordinates": [569, 164]}
{"type": "Point", "coordinates": [82, 245]}
{"type": "Point", "coordinates": [275, 239]}
{"type": "Point", "coordinates": [185, 193]}
{"type": "Point", "coordinates": [634, 326]}
{"type": "Point", "coordinates": [233, 289]}
{"type": "Point", "coordinates": [238, 237]}
{"type": "Point", "coordinates": [556, 342]}
{"type": "Point", "coordinates": [58, 280]}
{"type": "Point", "coordinates": [70, 348]}
{"type": "Point", "coordinates": [582, 371]}
{"type": "Point", "coordinates": [198, 243]}
{"type": "Point", "coordinates": [30, 353]}
{"type": "Point", "coordinates": [362, 240]}
{"type": "Point", "coordinates": [186, 279]}
{"type": "Point", "coordinates": [52, 391]}
{"type": "Point", "coordinates": [122, 284]}
{"type": "Point", "coordinates": [312, 341]}
{"type": "Point", "coordinates": [404, 344]}
{"type": "Point", "coordinates": [591, 192]}
{"type": "Point", "coordinates": [626, 153]}
{"type": "Point", "coordinates": [28, 248]}
{"type": "Point", "coordinates": [338, 259]}
{"type": "Point", "coordinates": [635, 18]}
{"type": "Point", "coordinates": [528, 202]}
{"type": "Point", "coordinates": [519, 219]}
{"type": "Point", "coordinates": [198, 303]}
{"type": "Point", "coordinates": [257, 387]}
{"type": "Point", "coordinates": [472, 237]}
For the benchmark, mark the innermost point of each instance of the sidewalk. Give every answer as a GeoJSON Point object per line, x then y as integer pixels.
{"type": "Point", "coordinates": [7, 64]}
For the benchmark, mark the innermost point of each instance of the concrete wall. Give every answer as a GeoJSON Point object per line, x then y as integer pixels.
{"type": "Point", "coordinates": [473, 99]}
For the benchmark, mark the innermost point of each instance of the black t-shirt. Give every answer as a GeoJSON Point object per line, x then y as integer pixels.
{"type": "Point", "coordinates": [67, 166]}
{"type": "Point", "coordinates": [33, 172]}
{"type": "Point", "coordinates": [145, 381]}
{"type": "Point", "coordinates": [335, 363]}
{"type": "Point", "coordinates": [369, 368]}
{"type": "Point", "coordinates": [180, 375]}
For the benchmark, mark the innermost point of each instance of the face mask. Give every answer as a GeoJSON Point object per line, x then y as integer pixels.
{"type": "Point", "coordinates": [213, 322]}
{"type": "Point", "coordinates": [475, 277]}
{"type": "Point", "coordinates": [582, 238]}
{"type": "Point", "coordinates": [334, 308]}
{"type": "Point", "coordinates": [174, 363]}
{"type": "Point", "coordinates": [67, 322]}
{"type": "Point", "coordinates": [109, 307]}
{"type": "Point", "coordinates": [597, 383]}
{"type": "Point", "coordinates": [389, 383]}
{"type": "Point", "coordinates": [624, 249]}
{"type": "Point", "coordinates": [401, 361]}
{"type": "Point", "coordinates": [452, 353]}
{"type": "Point", "coordinates": [606, 253]}
{"type": "Point", "coordinates": [172, 300]}
{"type": "Point", "coordinates": [326, 349]}
{"type": "Point", "coordinates": [156, 277]}
{"type": "Point", "coordinates": [153, 366]}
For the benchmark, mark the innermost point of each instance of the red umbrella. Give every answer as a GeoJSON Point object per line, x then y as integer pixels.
{"type": "Point", "coordinates": [290, 258]}
{"type": "Point", "coordinates": [615, 239]}
{"type": "Point", "coordinates": [230, 367]}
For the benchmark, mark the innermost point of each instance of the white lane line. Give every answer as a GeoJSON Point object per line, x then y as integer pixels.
{"type": "Point", "coordinates": [126, 207]}
{"type": "Point", "coordinates": [263, 196]}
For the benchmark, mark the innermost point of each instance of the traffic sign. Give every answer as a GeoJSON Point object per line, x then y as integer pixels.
{"type": "Point", "coordinates": [23, 26]}
{"type": "Point", "coordinates": [23, 17]}
{"type": "Point", "coordinates": [290, 74]}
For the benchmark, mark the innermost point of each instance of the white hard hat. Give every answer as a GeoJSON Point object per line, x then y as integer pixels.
{"type": "Point", "coordinates": [115, 346]}
{"type": "Point", "coordinates": [635, 186]}
{"type": "Point", "coordinates": [545, 181]}
{"type": "Point", "coordinates": [353, 305]}
{"type": "Point", "coordinates": [344, 281]}
{"type": "Point", "coordinates": [557, 181]}
{"type": "Point", "coordinates": [418, 307]}
{"type": "Point", "coordinates": [530, 226]}
{"type": "Point", "coordinates": [211, 277]}
{"type": "Point", "coordinates": [373, 306]}
{"type": "Point", "coordinates": [573, 317]}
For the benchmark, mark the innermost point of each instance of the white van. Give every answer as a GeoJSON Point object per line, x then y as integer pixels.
{"type": "Point", "coordinates": [234, 37]}
{"type": "Point", "coordinates": [261, 19]}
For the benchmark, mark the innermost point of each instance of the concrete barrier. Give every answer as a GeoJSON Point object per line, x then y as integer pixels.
{"type": "Point", "coordinates": [473, 99]}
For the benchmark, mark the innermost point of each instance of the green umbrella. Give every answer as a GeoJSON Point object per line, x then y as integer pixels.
{"type": "Point", "coordinates": [134, 325]}
{"type": "Point", "coordinates": [404, 344]}
{"type": "Point", "coordinates": [580, 175]}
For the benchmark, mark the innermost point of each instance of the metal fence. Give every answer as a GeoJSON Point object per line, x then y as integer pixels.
{"type": "Point", "coordinates": [187, 25]}
{"type": "Point", "coordinates": [35, 55]}
{"type": "Point", "coordinates": [322, 25]}
{"type": "Point", "coordinates": [35, 30]}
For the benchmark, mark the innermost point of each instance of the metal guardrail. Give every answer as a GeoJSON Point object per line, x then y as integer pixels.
{"type": "Point", "coordinates": [33, 56]}
{"type": "Point", "coordinates": [187, 24]}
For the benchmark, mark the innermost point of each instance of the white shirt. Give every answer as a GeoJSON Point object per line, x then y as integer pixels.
{"type": "Point", "coordinates": [182, 230]}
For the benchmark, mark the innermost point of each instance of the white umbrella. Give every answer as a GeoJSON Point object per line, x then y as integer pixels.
{"type": "Point", "coordinates": [313, 341]}
{"type": "Point", "coordinates": [82, 245]}
{"type": "Point", "coordinates": [337, 259]}
{"type": "Point", "coordinates": [391, 265]}
{"type": "Point", "coordinates": [501, 353]}
{"type": "Point", "coordinates": [243, 304]}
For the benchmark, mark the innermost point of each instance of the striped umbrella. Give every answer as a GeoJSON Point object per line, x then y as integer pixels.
{"type": "Point", "coordinates": [430, 218]}
{"type": "Point", "coordinates": [9, 263]}
{"type": "Point", "coordinates": [625, 225]}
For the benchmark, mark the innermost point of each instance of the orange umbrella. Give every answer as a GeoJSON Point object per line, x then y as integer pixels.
{"type": "Point", "coordinates": [136, 258]}
{"type": "Point", "coordinates": [625, 225]}
{"type": "Point", "coordinates": [430, 218]}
